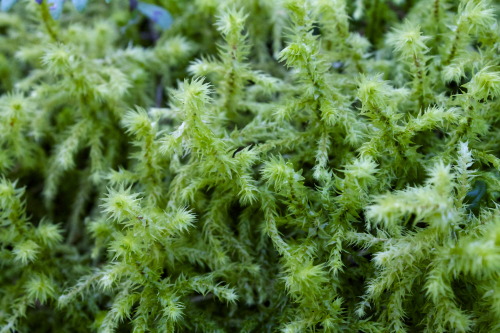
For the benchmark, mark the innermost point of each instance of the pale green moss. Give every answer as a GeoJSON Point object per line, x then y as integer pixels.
{"type": "Point", "coordinates": [256, 166]}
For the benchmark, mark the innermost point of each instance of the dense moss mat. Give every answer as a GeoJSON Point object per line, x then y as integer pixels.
{"type": "Point", "coordinates": [251, 166]}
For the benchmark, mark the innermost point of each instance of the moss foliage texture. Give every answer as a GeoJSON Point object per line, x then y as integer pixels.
{"type": "Point", "coordinates": [250, 166]}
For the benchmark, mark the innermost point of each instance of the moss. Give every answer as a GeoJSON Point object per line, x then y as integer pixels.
{"type": "Point", "coordinates": [253, 166]}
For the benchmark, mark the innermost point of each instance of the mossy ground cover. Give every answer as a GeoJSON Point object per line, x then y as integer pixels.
{"type": "Point", "coordinates": [249, 166]}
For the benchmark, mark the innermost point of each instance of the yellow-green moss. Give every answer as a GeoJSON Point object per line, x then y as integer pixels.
{"type": "Point", "coordinates": [254, 166]}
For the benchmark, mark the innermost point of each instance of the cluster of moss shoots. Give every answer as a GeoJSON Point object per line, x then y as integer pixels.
{"type": "Point", "coordinates": [256, 166]}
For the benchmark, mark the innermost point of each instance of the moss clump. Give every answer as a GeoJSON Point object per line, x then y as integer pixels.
{"type": "Point", "coordinates": [250, 166]}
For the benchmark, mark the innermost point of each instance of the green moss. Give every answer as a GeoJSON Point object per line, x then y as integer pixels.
{"type": "Point", "coordinates": [256, 166]}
